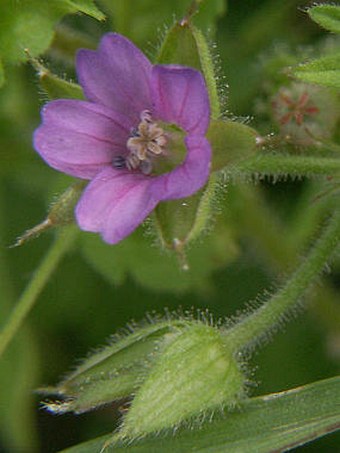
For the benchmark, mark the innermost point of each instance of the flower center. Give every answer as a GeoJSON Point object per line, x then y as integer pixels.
{"type": "Point", "coordinates": [145, 143]}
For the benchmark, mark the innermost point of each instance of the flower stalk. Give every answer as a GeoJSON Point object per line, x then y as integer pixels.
{"type": "Point", "coordinates": [284, 165]}
{"type": "Point", "coordinates": [25, 304]}
{"type": "Point", "coordinates": [249, 331]}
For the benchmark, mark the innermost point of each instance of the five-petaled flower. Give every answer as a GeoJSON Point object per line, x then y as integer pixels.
{"type": "Point", "coordinates": [116, 137]}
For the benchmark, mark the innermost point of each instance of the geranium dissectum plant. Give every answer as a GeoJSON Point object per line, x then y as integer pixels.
{"type": "Point", "coordinates": [133, 116]}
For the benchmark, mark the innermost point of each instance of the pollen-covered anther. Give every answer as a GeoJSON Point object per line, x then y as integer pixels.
{"type": "Point", "coordinates": [146, 141]}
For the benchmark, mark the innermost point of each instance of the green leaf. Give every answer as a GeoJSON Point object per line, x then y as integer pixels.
{"type": "Point", "coordinates": [328, 16]}
{"type": "Point", "coordinates": [30, 25]}
{"type": "Point", "coordinates": [83, 6]}
{"type": "Point", "coordinates": [323, 71]}
{"type": "Point", "coordinates": [230, 142]}
{"type": "Point", "coordinates": [275, 422]}
{"type": "Point", "coordinates": [162, 273]}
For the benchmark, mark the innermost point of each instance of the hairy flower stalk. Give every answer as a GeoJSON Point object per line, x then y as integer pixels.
{"type": "Point", "coordinates": [251, 329]}
{"type": "Point", "coordinates": [135, 122]}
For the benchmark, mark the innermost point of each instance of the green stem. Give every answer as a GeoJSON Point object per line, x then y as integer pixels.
{"type": "Point", "coordinates": [286, 165]}
{"type": "Point", "coordinates": [49, 263]}
{"type": "Point", "coordinates": [258, 324]}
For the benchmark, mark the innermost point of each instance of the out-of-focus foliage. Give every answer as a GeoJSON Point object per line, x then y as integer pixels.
{"type": "Point", "coordinates": [28, 25]}
{"type": "Point", "coordinates": [146, 20]}
{"type": "Point", "coordinates": [256, 237]}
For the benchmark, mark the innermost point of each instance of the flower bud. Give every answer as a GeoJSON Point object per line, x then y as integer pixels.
{"type": "Point", "coordinates": [305, 113]}
{"type": "Point", "coordinates": [61, 213]}
{"type": "Point", "coordinates": [112, 373]}
{"type": "Point", "coordinates": [195, 373]}
{"type": "Point", "coordinates": [177, 370]}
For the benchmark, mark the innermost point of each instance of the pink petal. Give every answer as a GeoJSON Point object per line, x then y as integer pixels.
{"type": "Point", "coordinates": [79, 138]}
{"type": "Point", "coordinates": [189, 177]}
{"type": "Point", "coordinates": [180, 96]}
{"type": "Point", "coordinates": [115, 203]}
{"type": "Point", "coordinates": [117, 75]}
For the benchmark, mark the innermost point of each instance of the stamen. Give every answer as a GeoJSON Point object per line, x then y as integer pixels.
{"type": "Point", "coordinates": [134, 132]}
{"type": "Point", "coordinates": [146, 116]}
{"type": "Point", "coordinates": [119, 162]}
{"type": "Point", "coordinates": [145, 143]}
{"type": "Point", "coordinates": [132, 162]}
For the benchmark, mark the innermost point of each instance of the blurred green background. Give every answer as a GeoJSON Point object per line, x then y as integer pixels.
{"type": "Point", "coordinates": [97, 289]}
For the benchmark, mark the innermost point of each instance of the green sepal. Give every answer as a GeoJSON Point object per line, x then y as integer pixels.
{"type": "Point", "coordinates": [55, 87]}
{"type": "Point", "coordinates": [115, 372]}
{"type": "Point", "coordinates": [327, 16]}
{"type": "Point", "coordinates": [324, 71]}
{"type": "Point", "coordinates": [181, 221]}
{"type": "Point", "coordinates": [185, 44]}
{"type": "Point", "coordinates": [62, 210]}
{"type": "Point", "coordinates": [195, 373]}
{"type": "Point", "coordinates": [61, 213]}
{"type": "Point", "coordinates": [231, 142]}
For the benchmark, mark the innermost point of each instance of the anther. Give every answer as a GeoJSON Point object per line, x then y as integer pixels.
{"type": "Point", "coordinates": [132, 162]}
{"type": "Point", "coordinates": [145, 142]}
{"type": "Point", "coordinates": [119, 162]}
{"type": "Point", "coordinates": [146, 116]}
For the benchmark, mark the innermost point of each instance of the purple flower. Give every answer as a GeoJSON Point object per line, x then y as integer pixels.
{"type": "Point", "coordinates": [119, 135]}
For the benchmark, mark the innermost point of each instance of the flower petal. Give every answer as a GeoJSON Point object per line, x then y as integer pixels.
{"type": "Point", "coordinates": [79, 138]}
{"type": "Point", "coordinates": [115, 203]}
{"type": "Point", "coordinates": [189, 177]}
{"type": "Point", "coordinates": [180, 96]}
{"type": "Point", "coordinates": [117, 75]}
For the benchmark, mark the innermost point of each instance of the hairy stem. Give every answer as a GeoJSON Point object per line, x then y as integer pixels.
{"type": "Point", "coordinates": [26, 302]}
{"type": "Point", "coordinates": [256, 325]}
{"type": "Point", "coordinates": [285, 165]}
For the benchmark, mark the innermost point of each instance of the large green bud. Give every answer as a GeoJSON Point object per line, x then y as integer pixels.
{"type": "Point", "coordinates": [177, 370]}
{"type": "Point", "coordinates": [196, 373]}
